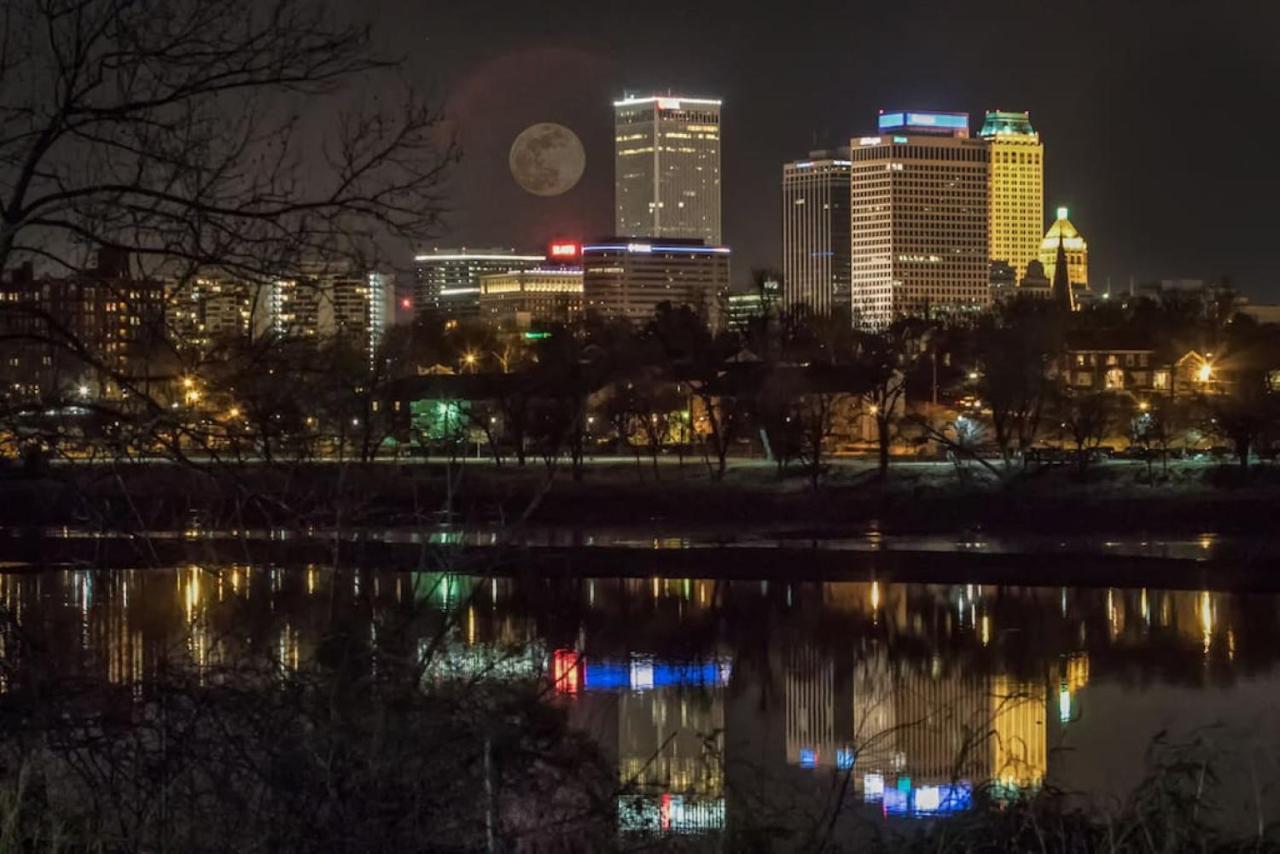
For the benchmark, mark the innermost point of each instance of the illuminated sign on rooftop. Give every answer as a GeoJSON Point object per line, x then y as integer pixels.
{"type": "Point", "coordinates": [950, 123]}
{"type": "Point", "coordinates": [563, 250]}
{"type": "Point", "coordinates": [667, 102]}
{"type": "Point", "coordinates": [650, 248]}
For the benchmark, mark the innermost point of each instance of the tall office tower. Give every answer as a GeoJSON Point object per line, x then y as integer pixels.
{"type": "Point", "coordinates": [1016, 214]}
{"type": "Point", "coordinates": [629, 279]}
{"type": "Point", "coordinates": [1073, 244]}
{"type": "Point", "coordinates": [448, 280]}
{"type": "Point", "coordinates": [919, 219]}
{"type": "Point", "coordinates": [815, 231]}
{"type": "Point", "coordinates": [667, 168]}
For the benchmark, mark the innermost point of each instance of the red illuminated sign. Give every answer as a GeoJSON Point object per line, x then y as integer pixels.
{"type": "Point", "coordinates": [564, 251]}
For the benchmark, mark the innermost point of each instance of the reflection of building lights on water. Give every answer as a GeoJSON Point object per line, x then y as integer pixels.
{"type": "Point", "coordinates": [904, 801]}
{"type": "Point", "coordinates": [668, 813]}
{"type": "Point", "coordinates": [1206, 619]}
{"type": "Point", "coordinates": [873, 788]}
{"type": "Point", "coordinates": [1064, 704]}
{"type": "Point", "coordinates": [875, 595]}
{"type": "Point", "coordinates": [566, 671]}
{"type": "Point", "coordinates": [986, 630]}
{"type": "Point", "coordinates": [643, 673]}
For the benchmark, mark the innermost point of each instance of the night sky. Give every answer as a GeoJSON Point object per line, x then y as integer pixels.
{"type": "Point", "coordinates": [1161, 121]}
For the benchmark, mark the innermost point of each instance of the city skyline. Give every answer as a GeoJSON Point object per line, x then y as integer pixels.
{"type": "Point", "coordinates": [1109, 92]}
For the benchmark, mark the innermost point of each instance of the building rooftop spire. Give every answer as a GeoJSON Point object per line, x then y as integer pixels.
{"type": "Point", "coordinates": [1062, 294]}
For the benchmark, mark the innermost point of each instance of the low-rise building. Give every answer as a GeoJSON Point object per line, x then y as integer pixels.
{"type": "Point", "coordinates": [448, 280]}
{"type": "Point", "coordinates": [1112, 363]}
{"type": "Point", "coordinates": [629, 277]}
{"type": "Point", "coordinates": [520, 298]}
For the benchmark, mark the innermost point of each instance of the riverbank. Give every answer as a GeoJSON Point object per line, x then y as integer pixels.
{"type": "Point", "coordinates": [1115, 497]}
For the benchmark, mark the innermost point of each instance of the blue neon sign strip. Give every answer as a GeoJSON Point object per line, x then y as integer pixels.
{"type": "Point", "coordinates": [691, 250]}
{"type": "Point", "coordinates": [940, 120]}
{"type": "Point", "coordinates": [892, 120]}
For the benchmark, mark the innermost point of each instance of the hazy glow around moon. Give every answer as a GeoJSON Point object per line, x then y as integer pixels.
{"type": "Point", "coordinates": [547, 159]}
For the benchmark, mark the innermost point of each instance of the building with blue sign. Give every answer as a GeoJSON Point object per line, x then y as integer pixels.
{"type": "Point", "coordinates": [629, 277]}
{"type": "Point", "coordinates": [919, 214]}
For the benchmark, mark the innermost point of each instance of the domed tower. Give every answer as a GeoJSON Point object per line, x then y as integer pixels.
{"type": "Point", "coordinates": [1065, 235]}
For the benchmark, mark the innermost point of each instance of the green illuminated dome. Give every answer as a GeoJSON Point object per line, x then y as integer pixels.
{"type": "Point", "coordinates": [1003, 123]}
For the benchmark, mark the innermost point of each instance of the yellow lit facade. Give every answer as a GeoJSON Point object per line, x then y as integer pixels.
{"type": "Point", "coordinates": [1016, 214]}
{"type": "Point", "coordinates": [1019, 743]}
{"type": "Point", "coordinates": [1073, 243]}
{"type": "Point", "coordinates": [518, 298]}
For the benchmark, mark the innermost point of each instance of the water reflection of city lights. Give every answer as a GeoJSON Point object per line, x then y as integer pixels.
{"type": "Point", "coordinates": [1206, 620]}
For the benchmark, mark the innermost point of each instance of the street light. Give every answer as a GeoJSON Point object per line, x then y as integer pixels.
{"type": "Point", "coordinates": [84, 391]}
{"type": "Point", "coordinates": [1205, 374]}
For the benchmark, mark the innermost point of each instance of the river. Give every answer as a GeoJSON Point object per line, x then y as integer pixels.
{"type": "Point", "coordinates": [722, 703]}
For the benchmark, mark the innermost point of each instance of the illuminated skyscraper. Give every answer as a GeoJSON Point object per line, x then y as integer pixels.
{"type": "Point", "coordinates": [667, 168]}
{"type": "Point", "coordinates": [919, 219]}
{"type": "Point", "coordinates": [1073, 243]}
{"type": "Point", "coordinates": [815, 231]}
{"type": "Point", "coordinates": [1016, 214]}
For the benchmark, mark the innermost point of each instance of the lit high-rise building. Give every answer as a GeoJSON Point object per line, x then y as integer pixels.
{"type": "Point", "coordinates": [815, 231]}
{"type": "Point", "coordinates": [919, 219]}
{"type": "Point", "coordinates": [629, 278]}
{"type": "Point", "coordinates": [1073, 243]}
{"type": "Point", "coordinates": [667, 168]}
{"type": "Point", "coordinates": [1016, 215]}
{"type": "Point", "coordinates": [448, 280]}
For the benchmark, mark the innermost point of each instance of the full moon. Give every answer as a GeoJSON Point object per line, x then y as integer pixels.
{"type": "Point", "coordinates": [547, 159]}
